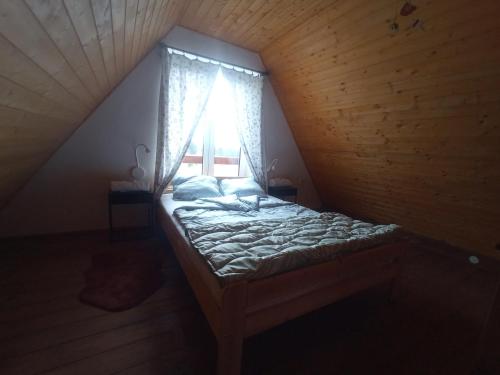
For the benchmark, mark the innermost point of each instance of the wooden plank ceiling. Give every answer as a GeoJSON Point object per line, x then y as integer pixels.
{"type": "Point", "coordinates": [60, 58]}
{"type": "Point", "coordinates": [401, 126]}
{"type": "Point", "coordinates": [58, 61]}
{"type": "Point", "coordinates": [393, 126]}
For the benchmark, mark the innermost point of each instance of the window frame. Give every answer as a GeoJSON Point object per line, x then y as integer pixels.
{"type": "Point", "coordinates": [207, 159]}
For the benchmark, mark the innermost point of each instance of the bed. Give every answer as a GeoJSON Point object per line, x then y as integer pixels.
{"type": "Point", "coordinates": [239, 303]}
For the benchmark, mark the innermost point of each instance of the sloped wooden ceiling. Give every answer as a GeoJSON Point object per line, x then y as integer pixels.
{"type": "Point", "coordinates": [394, 126]}
{"type": "Point", "coordinates": [252, 24]}
{"type": "Point", "coordinates": [401, 126]}
{"type": "Point", "coordinates": [60, 58]}
{"type": "Point", "coordinates": [397, 127]}
{"type": "Point", "coordinates": [58, 61]}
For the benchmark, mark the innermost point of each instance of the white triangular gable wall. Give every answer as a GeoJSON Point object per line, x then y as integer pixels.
{"type": "Point", "coordinates": [69, 193]}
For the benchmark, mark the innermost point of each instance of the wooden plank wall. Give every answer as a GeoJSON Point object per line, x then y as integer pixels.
{"type": "Point", "coordinates": [397, 127]}
{"type": "Point", "coordinates": [400, 127]}
{"type": "Point", "coordinates": [58, 61]}
{"type": "Point", "coordinates": [252, 24]}
{"type": "Point", "coordinates": [60, 58]}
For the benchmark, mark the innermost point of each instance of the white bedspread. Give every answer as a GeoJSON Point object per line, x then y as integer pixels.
{"type": "Point", "coordinates": [240, 242]}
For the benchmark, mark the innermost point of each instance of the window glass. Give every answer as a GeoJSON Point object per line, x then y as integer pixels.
{"type": "Point", "coordinates": [190, 169]}
{"type": "Point", "coordinates": [227, 150]}
{"type": "Point", "coordinates": [215, 148]}
{"type": "Point", "coordinates": [192, 164]}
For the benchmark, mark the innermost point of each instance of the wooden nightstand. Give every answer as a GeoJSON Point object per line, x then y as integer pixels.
{"type": "Point", "coordinates": [131, 197]}
{"type": "Point", "coordinates": [287, 193]}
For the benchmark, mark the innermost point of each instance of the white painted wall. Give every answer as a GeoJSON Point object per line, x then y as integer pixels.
{"type": "Point", "coordinates": [69, 193]}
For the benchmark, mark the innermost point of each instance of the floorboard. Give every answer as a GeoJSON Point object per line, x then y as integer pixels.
{"type": "Point", "coordinates": [432, 326]}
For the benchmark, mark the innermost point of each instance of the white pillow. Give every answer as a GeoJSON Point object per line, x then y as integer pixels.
{"type": "Point", "coordinates": [197, 187]}
{"type": "Point", "coordinates": [179, 179]}
{"type": "Point", "coordinates": [242, 187]}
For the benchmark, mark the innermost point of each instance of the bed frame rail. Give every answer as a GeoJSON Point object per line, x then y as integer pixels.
{"type": "Point", "coordinates": [242, 309]}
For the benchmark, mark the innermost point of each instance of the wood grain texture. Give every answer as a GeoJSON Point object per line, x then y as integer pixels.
{"type": "Point", "coordinates": [239, 309]}
{"type": "Point", "coordinates": [431, 327]}
{"type": "Point", "coordinates": [250, 24]}
{"type": "Point", "coordinates": [58, 61]}
{"type": "Point", "coordinates": [399, 127]}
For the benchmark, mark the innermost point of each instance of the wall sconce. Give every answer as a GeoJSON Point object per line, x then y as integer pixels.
{"type": "Point", "coordinates": [272, 166]}
{"type": "Point", "coordinates": [139, 172]}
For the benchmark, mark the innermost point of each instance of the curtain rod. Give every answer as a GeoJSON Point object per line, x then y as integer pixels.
{"type": "Point", "coordinates": [213, 61]}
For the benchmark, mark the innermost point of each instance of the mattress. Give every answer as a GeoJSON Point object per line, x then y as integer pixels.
{"type": "Point", "coordinates": [251, 239]}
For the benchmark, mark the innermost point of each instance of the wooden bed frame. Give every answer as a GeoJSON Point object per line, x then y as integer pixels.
{"type": "Point", "coordinates": [245, 308]}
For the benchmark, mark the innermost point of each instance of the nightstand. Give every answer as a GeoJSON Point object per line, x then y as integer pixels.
{"type": "Point", "coordinates": [287, 193]}
{"type": "Point", "coordinates": [131, 197]}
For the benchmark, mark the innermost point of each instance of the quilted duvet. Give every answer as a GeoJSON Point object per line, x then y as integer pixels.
{"type": "Point", "coordinates": [278, 237]}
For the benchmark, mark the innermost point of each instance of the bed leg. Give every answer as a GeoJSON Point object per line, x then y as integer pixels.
{"type": "Point", "coordinates": [229, 350]}
{"type": "Point", "coordinates": [231, 335]}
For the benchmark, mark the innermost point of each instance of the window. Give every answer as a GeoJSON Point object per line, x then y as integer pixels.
{"type": "Point", "coordinates": [215, 147]}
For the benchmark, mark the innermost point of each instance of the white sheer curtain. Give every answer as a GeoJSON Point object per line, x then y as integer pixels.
{"type": "Point", "coordinates": [184, 90]}
{"type": "Point", "coordinates": [246, 93]}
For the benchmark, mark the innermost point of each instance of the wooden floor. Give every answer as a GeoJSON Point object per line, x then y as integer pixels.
{"type": "Point", "coordinates": [432, 326]}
